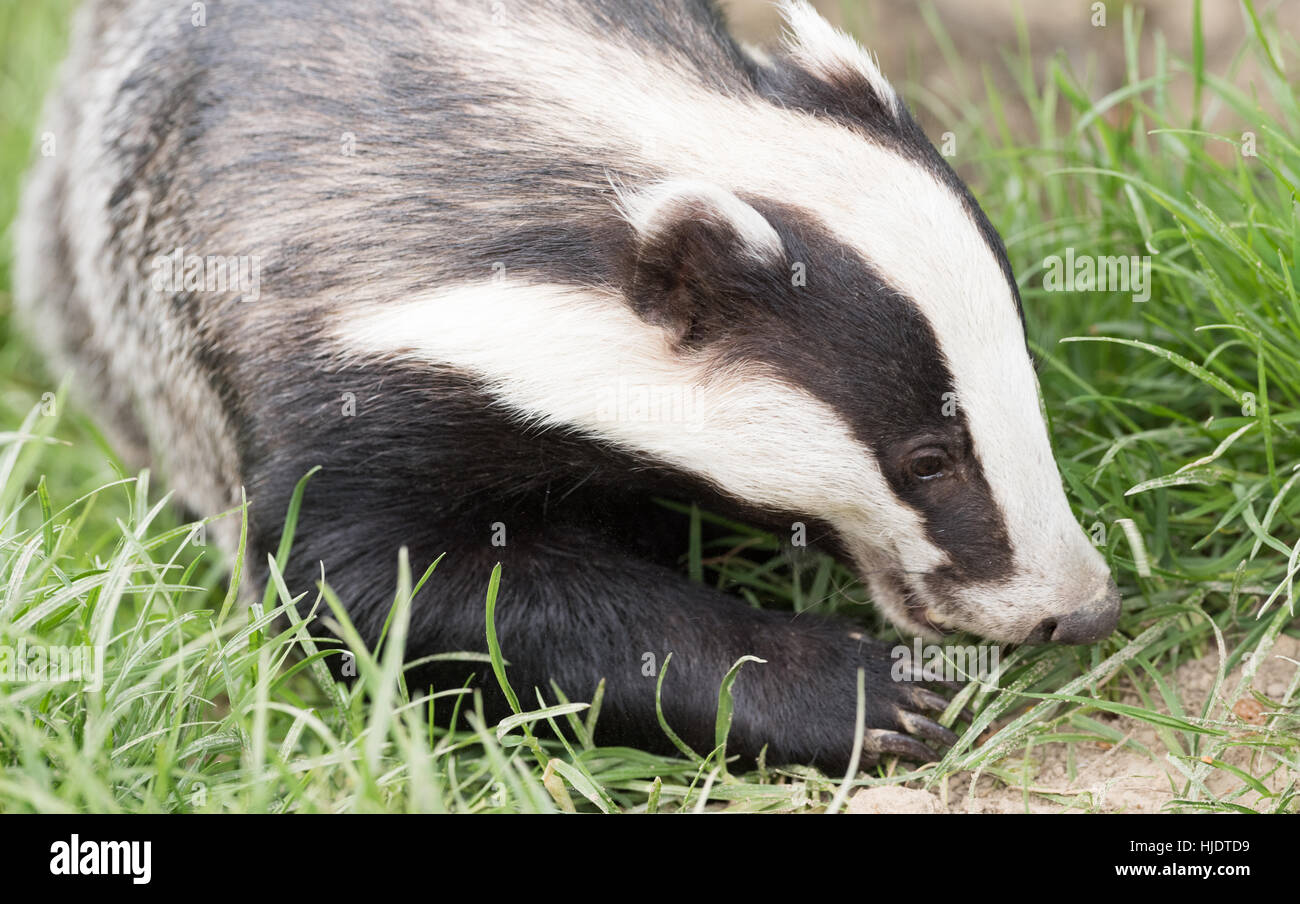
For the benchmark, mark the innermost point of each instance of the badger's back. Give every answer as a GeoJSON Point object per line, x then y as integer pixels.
{"type": "Point", "coordinates": [354, 153]}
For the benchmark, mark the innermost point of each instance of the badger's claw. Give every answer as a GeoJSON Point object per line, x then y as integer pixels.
{"type": "Point", "coordinates": [899, 714]}
{"type": "Point", "coordinates": [926, 699]}
{"type": "Point", "coordinates": [879, 742]}
{"type": "Point", "coordinates": [927, 729]}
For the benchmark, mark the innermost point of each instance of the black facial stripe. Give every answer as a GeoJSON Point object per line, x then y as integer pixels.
{"type": "Point", "coordinates": [847, 97]}
{"type": "Point", "coordinates": [866, 350]}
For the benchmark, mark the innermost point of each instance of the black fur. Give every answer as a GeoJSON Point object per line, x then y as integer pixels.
{"type": "Point", "coordinates": [590, 583]}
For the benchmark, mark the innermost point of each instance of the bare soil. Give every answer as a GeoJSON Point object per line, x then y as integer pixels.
{"type": "Point", "coordinates": [1123, 778]}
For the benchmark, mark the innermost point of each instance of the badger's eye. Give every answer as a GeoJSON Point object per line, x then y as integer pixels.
{"type": "Point", "coordinates": [928, 464]}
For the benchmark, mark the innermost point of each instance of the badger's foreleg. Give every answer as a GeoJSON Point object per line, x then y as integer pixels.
{"type": "Point", "coordinates": [576, 612]}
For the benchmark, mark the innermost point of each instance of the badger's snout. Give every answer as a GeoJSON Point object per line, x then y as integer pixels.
{"type": "Point", "coordinates": [1074, 602]}
{"type": "Point", "coordinates": [1085, 625]}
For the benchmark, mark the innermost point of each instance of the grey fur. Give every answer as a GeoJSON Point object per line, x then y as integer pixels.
{"type": "Point", "coordinates": [227, 139]}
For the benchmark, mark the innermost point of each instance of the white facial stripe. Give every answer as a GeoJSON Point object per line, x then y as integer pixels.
{"type": "Point", "coordinates": [657, 207]}
{"type": "Point", "coordinates": [557, 355]}
{"type": "Point", "coordinates": [825, 51]}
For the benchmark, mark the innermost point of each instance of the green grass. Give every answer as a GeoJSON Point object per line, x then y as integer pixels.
{"type": "Point", "coordinates": [1177, 418]}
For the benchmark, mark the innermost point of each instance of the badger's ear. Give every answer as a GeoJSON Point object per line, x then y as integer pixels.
{"type": "Point", "coordinates": [695, 246]}
{"type": "Point", "coordinates": [847, 74]}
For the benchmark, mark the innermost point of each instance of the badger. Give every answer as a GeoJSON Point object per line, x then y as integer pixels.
{"type": "Point", "coordinates": [464, 242]}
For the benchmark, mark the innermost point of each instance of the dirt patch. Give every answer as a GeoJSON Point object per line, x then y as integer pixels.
{"type": "Point", "coordinates": [1135, 776]}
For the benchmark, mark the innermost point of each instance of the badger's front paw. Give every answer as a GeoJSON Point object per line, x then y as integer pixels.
{"type": "Point", "coordinates": [895, 703]}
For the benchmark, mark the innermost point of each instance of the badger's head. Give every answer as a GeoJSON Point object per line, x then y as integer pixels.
{"type": "Point", "coordinates": [860, 311]}
{"type": "Point", "coordinates": [801, 305]}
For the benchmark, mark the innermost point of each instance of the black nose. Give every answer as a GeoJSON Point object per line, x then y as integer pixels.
{"type": "Point", "coordinates": [1087, 625]}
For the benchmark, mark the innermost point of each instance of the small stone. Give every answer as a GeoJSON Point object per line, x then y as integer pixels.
{"type": "Point", "coordinates": [894, 800]}
{"type": "Point", "coordinates": [1249, 710]}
